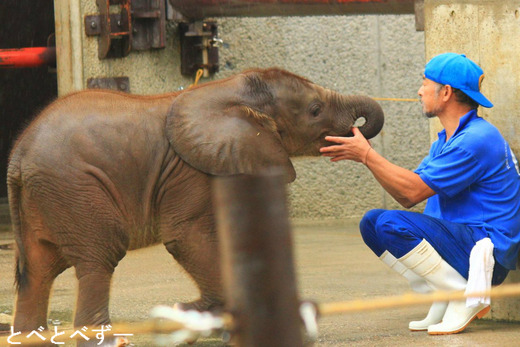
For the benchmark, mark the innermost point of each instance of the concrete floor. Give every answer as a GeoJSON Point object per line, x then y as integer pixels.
{"type": "Point", "coordinates": [332, 263]}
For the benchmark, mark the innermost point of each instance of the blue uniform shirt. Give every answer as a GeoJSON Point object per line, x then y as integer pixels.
{"type": "Point", "coordinates": [476, 178]}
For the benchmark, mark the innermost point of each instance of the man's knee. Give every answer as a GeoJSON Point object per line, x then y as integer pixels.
{"type": "Point", "coordinates": [367, 228]}
{"type": "Point", "coordinates": [391, 226]}
{"type": "Point", "coordinates": [391, 221]}
{"type": "Point", "coordinates": [369, 220]}
{"type": "Point", "coordinates": [397, 232]}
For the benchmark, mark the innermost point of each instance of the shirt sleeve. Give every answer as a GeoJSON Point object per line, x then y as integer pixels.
{"type": "Point", "coordinates": [450, 172]}
{"type": "Point", "coordinates": [422, 165]}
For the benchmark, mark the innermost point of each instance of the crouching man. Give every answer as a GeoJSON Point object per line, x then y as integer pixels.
{"type": "Point", "coordinates": [472, 185]}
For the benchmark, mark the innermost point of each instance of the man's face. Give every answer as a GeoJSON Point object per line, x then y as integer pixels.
{"type": "Point", "coordinates": [430, 99]}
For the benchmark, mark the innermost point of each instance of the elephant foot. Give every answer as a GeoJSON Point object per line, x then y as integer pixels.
{"type": "Point", "coordinates": [213, 306]}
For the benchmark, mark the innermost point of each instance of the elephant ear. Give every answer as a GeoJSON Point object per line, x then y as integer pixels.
{"type": "Point", "coordinates": [215, 129]}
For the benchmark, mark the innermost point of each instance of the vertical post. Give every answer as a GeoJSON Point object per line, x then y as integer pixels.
{"type": "Point", "coordinates": [257, 259]}
{"type": "Point", "coordinates": [69, 45]}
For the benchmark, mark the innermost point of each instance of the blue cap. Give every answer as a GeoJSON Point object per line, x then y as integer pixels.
{"type": "Point", "coordinates": [459, 72]}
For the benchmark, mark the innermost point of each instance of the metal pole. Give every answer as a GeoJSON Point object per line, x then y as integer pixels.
{"type": "Point", "coordinates": [27, 57]}
{"type": "Point", "coordinates": [199, 9]}
{"type": "Point", "coordinates": [257, 260]}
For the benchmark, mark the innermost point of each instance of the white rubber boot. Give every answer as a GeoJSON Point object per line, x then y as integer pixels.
{"type": "Point", "coordinates": [457, 318]}
{"type": "Point", "coordinates": [419, 285]}
{"type": "Point", "coordinates": [434, 316]}
{"type": "Point", "coordinates": [427, 263]}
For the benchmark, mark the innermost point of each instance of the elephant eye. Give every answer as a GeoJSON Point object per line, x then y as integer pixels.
{"type": "Point", "coordinates": [315, 110]}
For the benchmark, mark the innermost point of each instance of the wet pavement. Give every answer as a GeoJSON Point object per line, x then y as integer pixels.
{"type": "Point", "coordinates": [332, 263]}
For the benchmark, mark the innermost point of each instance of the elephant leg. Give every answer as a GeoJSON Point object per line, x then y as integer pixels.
{"type": "Point", "coordinates": [94, 270]}
{"type": "Point", "coordinates": [92, 304]}
{"type": "Point", "coordinates": [43, 263]}
{"type": "Point", "coordinates": [197, 253]}
{"type": "Point", "coordinates": [93, 298]}
{"type": "Point", "coordinates": [96, 259]}
{"type": "Point", "coordinates": [92, 236]}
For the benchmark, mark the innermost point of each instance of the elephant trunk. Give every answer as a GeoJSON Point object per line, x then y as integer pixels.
{"type": "Point", "coordinates": [356, 107]}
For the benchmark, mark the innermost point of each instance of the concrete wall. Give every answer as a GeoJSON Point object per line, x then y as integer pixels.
{"type": "Point", "coordinates": [487, 32]}
{"type": "Point", "coordinates": [380, 56]}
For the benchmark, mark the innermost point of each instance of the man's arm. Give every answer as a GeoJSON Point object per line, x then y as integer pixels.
{"type": "Point", "coordinates": [405, 186]}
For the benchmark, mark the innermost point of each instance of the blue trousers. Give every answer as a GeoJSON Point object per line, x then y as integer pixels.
{"type": "Point", "coordinates": [399, 232]}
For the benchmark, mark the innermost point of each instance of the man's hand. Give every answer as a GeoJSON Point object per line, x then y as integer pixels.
{"type": "Point", "coordinates": [354, 148]}
{"type": "Point", "coordinates": [405, 186]}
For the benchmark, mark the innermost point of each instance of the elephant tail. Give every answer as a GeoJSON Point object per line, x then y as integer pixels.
{"type": "Point", "coordinates": [14, 187]}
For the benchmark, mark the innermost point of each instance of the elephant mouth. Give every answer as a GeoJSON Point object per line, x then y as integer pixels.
{"type": "Point", "coordinates": [313, 147]}
{"type": "Point", "coordinates": [349, 133]}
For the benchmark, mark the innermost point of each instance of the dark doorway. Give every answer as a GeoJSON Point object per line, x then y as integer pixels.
{"type": "Point", "coordinates": [23, 91]}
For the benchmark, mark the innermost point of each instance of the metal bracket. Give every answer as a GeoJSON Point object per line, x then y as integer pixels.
{"type": "Point", "coordinates": [199, 47]}
{"type": "Point", "coordinates": [148, 24]}
{"type": "Point", "coordinates": [137, 24]}
{"type": "Point", "coordinates": [114, 29]}
{"type": "Point", "coordinates": [115, 83]}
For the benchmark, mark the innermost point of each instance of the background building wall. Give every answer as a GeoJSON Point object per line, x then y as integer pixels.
{"type": "Point", "coordinates": [375, 55]}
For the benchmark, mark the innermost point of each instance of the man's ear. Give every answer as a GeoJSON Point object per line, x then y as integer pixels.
{"type": "Point", "coordinates": [447, 92]}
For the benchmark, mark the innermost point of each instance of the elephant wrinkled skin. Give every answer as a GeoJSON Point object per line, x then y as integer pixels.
{"type": "Point", "coordinates": [99, 172]}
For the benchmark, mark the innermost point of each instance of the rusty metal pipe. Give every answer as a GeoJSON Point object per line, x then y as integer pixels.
{"type": "Point", "coordinates": [199, 9]}
{"type": "Point", "coordinates": [27, 57]}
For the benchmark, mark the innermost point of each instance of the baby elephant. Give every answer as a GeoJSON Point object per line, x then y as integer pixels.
{"type": "Point", "coordinates": [98, 173]}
